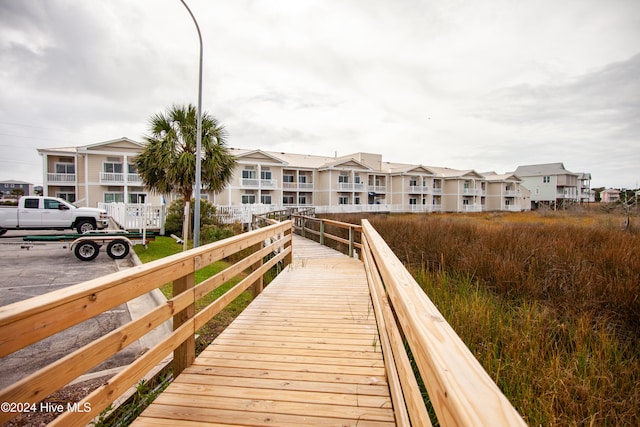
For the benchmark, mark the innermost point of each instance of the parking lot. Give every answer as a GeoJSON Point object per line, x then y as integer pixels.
{"type": "Point", "coordinates": [25, 273]}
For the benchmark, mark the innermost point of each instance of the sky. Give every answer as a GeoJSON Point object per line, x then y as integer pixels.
{"type": "Point", "coordinates": [487, 85]}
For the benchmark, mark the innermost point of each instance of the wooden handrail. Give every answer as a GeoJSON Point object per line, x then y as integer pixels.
{"type": "Point", "coordinates": [32, 320]}
{"type": "Point", "coordinates": [300, 225]}
{"type": "Point", "coordinates": [460, 390]}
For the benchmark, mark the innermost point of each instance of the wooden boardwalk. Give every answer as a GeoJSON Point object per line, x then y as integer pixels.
{"type": "Point", "coordinates": [305, 352]}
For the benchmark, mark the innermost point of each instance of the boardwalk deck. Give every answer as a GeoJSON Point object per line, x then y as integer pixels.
{"type": "Point", "coordinates": [304, 353]}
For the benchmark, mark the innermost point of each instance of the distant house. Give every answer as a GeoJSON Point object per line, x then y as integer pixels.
{"type": "Point", "coordinates": [610, 195]}
{"type": "Point", "coordinates": [6, 187]}
{"type": "Point", "coordinates": [551, 184]}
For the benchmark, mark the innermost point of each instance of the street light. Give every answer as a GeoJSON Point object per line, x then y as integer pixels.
{"type": "Point", "coordinates": [196, 208]}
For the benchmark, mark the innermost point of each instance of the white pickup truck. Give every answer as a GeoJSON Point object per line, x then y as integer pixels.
{"type": "Point", "coordinates": [50, 213]}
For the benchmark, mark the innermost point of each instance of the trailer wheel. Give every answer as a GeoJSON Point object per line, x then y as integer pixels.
{"type": "Point", "coordinates": [118, 249]}
{"type": "Point", "coordinates": [3, 231]}
{"type": "Point", "coordinates": [87, 250]}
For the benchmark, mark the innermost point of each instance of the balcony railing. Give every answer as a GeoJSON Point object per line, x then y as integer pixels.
{"type": "Point", "coordinates": [110, 178]}
{"type": "Point", "coordinates": [418, 189]}
{"type": "Point", "coordinates": [377, 188]}
{"type": "Point", "coordinates": [350, 186]}
{"type": "Point", "coordinates": [61, 177]}
{"type": "Point", "coordinates": [260, 183]}
{"type": "Point", "coordinates": [297, 185]}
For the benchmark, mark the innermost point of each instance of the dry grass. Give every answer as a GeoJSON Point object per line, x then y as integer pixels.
{"type": "Point", "coordinates": [548, 302]}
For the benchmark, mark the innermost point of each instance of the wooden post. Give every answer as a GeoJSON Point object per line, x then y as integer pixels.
{"type": "Point", "coordinates": [321, 232]}
{"type": "Point", "coordinates": [258, 285]}
{"type": "Point", "coordinates": [289, 258]}
{"type": "Point", "coordinates": [185, 354]}
{"type": "Point", "coordinates": [351, 242]}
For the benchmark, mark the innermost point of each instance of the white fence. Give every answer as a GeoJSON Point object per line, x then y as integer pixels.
{"type": "Point", "coordinates": [243, 213]}
{"type": "Point", "coordinates": [132, 216]}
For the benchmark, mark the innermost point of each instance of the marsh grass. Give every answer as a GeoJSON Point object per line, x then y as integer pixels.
{"type": "Point", "coordinates": [547, 302]}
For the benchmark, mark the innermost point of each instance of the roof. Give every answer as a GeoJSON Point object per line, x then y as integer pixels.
{"type": "Point", "coordinates": [542, 169]}
{"type": "Point", "coordinates": [13, 181]}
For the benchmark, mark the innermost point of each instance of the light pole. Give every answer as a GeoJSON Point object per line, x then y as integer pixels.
{"type": "Point", "coordinates": [196, 208]}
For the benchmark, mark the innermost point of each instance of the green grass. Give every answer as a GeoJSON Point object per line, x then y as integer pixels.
{"type": "Point", "coordinates": [165, 246]}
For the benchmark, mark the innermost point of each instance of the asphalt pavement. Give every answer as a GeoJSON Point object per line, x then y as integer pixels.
{"type": "Point", "coordinates": [25, 273]}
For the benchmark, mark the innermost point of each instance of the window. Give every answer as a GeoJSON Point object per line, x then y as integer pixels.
{"type": "Point", "coordinates": [287, 200]}
{"type": "Point", "coordinates": [356, 179]}
{"type": "Point", "coordinates": [413, 201]}
{"type": "Point", "coordinates": [133, 168]}
{"type": "Point", "coordinates": [265, 199]}
{"type": "Point", "coordinates": [65, 168]}
{"type": "Point", "coordinates": [356, 200]}
{"type": "Point", "coordinates": [546, 179]}
{"type": "Point", "coordinates": [31, 203]}
{"type": "Point", "coordinates": [69, 197]}
{"type": "Point", "coordinates": [287, 178]}
{"type": "Point", "coordinates": [114, 197]}
{"type": "Point", "coordinates": [413, 182]}
{"type": "Point", "coordinates": [112, 167]}
{"type": "Point", "coordinates": [343, 200]}
{"type": "Point", "coordinates": [265, 174]}
{"type": "Point", "coordinates": [137, 197]}
{"type": "Point", "coordinates": [51, 204]}
{"type": "Point", "coordinates": [248, 199]}
{"type": "Point", "coordinates": [302, 179]}
{"type": "Point", "coordinates": [343, 178]}
{"type": "Point", "coordinates": [302, 200]}
{"type": "Point", "coordinates": [248, 174]}
{"type": "Point", "coordinates": [465, 202]}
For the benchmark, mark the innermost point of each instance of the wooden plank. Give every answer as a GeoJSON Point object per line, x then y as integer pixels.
{"type": "Point", "coordinates": [304, 352]}
{"type": "Point", "coordinates": [234, 380]}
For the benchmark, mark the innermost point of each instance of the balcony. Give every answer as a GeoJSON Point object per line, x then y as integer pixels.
{"type": "Point", "coordinates": [117, 178]}
{"type": "Point", "coordinates": [419, 189]}
{"type": "Point", "coordinates": [297, 185]}
{"type": "Point", "coordinates": [67, 178]}
{"type": "Point", "coordinates": [349, 186]}
{"type": "Point", "coordinates": [512, 193]}
{"type": "Point", "coordinates": [260, 183]}
{"type": "Point", "coordinates": [377, 188]}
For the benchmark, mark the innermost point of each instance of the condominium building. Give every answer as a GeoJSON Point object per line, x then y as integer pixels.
{"type": "Point", "coordinates": [97, 173]}
{"type": "Point", "coordinates": [105, 172]}
{"type": "Point", "coordinates": [364, 182]}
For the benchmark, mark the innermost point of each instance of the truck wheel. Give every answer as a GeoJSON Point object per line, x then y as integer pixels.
{"type": "Point", "coordinates": [84, 226]}
{"type": "Point", "coordinates": [118, 249]}
{"type": "Point", "coordinates": [86, 251]}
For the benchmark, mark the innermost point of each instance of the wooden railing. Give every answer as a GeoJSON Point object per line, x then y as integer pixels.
{"type": "Point", "coordinates": [459, 389]}
{"type": "Point", "coordinates": [32, 320]}
{"type": "Point", "coordinates": [412, 329]}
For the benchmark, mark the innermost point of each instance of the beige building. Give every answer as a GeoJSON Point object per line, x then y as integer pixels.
{"type": "Point", "coordinates": [362, 182]}
{"type": "Point", "coordinates": [105, 172]}
{"type": "Point", "coordinates": [97, 173]}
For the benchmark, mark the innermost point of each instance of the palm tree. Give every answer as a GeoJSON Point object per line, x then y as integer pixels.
{"type": "Point", "coordinates": [168, 162]}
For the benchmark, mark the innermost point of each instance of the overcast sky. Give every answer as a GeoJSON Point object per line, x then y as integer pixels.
{"type": "Point", "coordinates": [482, 84]}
